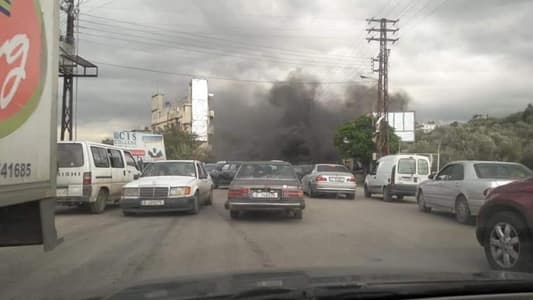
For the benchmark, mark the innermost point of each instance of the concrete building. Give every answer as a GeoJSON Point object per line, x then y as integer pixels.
{"type": "Point", "coordinates": [179, 113]}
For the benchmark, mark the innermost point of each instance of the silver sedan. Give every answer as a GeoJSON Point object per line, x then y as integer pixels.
{"type": "Point", "coordinates": [460, 187]}
{"type": "Point", "coordinates": [329, 179]}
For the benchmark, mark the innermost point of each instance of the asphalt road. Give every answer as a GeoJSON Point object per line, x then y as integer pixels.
{"type": "Point", "coordinates": [102, 252]}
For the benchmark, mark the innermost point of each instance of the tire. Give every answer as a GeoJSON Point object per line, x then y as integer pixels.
{"type": "Point", "coordinates": [196, 205]}
{"type": "Point", "coordinates": [367, 192]}
{"type": "Point", "coordinates": [234, 214]}
{"type": "Point", "coordinates": [298, 214]}
{"type": "Point", "coordinates": [312, 193]}
{"type": "Point", "coordinates": [462, 211]}
{"type": "Point", "coordinates": [516, 239]}
{"type": "Point", "coordinates": [210, 199]}
{"type": "Point", "coordinates": [126, 213]}
{"type": "Point", "coordinates": [386, 194]}
{"type": "Point", "coordinates": [98, 206]}
{"type": "Point", "coordinates": [421, 202]}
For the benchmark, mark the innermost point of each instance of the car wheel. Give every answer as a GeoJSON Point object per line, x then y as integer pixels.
{"type": "Point", "coordinates": [127, 213]}
{"type": "Point", "coordinates": [507, 242]}
{"type": "Point", "coordinates": [422, 202]}
{"type": "Point", "coordinates": [386, 194]}
{"type": "Point", "coordinates": [234, 214]}
{"type": "Point", "coordinates": [196, 205]}
{"type": "Point", "coordinates": [210, 199]}
{"type": "Point", "coordinates": [98, 206]}
{"type": "Point", "coordinates": [298, 214]}
{"type": "Point", "coordinates": [462, 211]}
{"type": "Point", "coordinates": [367, 192]}
{"type": "Point", "coordinates": [312, 193]}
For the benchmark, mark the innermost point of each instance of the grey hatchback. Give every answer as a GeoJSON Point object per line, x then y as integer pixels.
{"type": "Point", "coordinates": [270, 185]}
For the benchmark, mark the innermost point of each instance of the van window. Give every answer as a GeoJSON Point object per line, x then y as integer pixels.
{"type": "Point", "coordinates": [406, 166]}
{"type": "Point", "coordinates": [69, 155]}
{"type": "Point", "coordinates": [423, 167]}
{"type": "Point", "coordinates": [116, 159]}
{"type": "Point", "coordinates": [130, 161]}
{"type": "Point", "coordinates": [100, 157]}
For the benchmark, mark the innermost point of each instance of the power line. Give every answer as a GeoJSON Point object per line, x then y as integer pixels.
{"type": "Point", "coordinates": [215, 77]}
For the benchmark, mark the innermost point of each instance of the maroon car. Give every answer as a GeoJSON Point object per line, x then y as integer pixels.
{"type": "Point", "coordinates": [505, 226]}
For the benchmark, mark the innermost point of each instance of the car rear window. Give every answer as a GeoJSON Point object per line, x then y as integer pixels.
{"type": "Point", "coordinates": [331, 168]}
{"type": "Point", "coordinates": [502, 171]}
{"type": "Point", "coordinates": [406, 166]}
{"type": "Point", "coordinates": [270, 171]}
{"type": "Point", "coordinates": [69, 155]}
{"type": "Point", "coordinates": [423, 167]}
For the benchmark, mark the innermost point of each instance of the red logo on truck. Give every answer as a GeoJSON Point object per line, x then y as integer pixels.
{"type": "Point", "coordinates": [22, 62]}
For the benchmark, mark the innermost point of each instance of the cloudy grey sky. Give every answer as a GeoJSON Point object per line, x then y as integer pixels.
{"type": "Point", "coordinates": [455, 58]}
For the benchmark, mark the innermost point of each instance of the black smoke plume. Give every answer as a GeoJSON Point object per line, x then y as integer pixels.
{"type": "Point", "coordinates": [295, 120]}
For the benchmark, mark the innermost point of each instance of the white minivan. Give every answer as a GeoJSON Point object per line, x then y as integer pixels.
{"type": "Point", "coordinates": [397, 175]}
{"type": "Point", "coordinates": [91, 174]}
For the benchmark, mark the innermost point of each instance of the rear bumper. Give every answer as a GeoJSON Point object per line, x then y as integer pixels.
{"type": "Point", "coordinates": [403, 189]}
{"type": "Point", "coordinates": [261, 205]}
{"type": "Point", "coordinates": [171, 204]}
{"type": "Point", "coordinates": [334, 188]}
{"type": "Point", "coordinates": [72, 200]}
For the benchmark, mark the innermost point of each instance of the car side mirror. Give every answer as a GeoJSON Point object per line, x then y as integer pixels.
{"type": "Point", "coordinates": [136, 176]}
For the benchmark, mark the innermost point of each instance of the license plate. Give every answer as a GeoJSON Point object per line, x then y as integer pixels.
{"type": "Point", "coordinates": [61, 192]}
{"type": "Point", "coordinates": [152, 202]}
{"type": "Point", "coordinates": [336, 179]}
{"type": "Point", "coordinates": [265, 195]}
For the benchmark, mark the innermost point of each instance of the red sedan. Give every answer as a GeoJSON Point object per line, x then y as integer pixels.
{"type": "Point", "coordinates": [505, 226]}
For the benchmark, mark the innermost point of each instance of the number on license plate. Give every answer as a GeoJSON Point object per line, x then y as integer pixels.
{"type": "Point", "coordinates": [265, 195]}
{"type": "Point", "coordinates": [336, 179]}
{"type": "Point", "coordinates": [152, 202]}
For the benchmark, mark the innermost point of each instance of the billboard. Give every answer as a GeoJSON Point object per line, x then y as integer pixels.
{"type": "Point", "coordinates": [403, 124]}
{"type": "Point", "coordinates": [146, 147]}
{"type": "Point", "coordinates": [200, 109]}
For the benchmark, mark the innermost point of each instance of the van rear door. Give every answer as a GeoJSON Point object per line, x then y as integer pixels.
{"type": "Point", "coordinates": [71, 163]}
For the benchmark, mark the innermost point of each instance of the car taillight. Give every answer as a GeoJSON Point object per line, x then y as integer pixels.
{"type": "Point", "coordinates": [293, 193]}
{"type": "Point", "coordinates": [87, 180]}
{"type": "Point", "coordinates": [351, 179]}
{"type": "Point", "coordinates": [321, 178]}
{"type": "Point", "coordinates": [238, 192]}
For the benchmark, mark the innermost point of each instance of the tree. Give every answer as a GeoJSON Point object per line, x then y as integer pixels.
{"type": "Point", "coordinates": [180, 144]}
{"type": "Point", "coordinates": [354, 140]}
{"type": "Point", "coordinates": [107, 141]}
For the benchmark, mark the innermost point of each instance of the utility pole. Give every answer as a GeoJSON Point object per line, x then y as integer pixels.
{"type": "Point", "coordinates": [70, 66]}
{"type": "Point", "coordinates": [382, 107]}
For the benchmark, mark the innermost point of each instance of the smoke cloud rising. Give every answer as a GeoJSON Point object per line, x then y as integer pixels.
{"type": "Point", "coordinates": [295, 120]}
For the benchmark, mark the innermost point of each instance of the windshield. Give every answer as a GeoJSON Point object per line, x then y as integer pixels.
{"type": "Point", "coordinates": [69, 155]}
{"type": "Point", "coordinates": [152, 140]}
{"type": "Point", "coordinates": [331, 168]}
{"type": "Point", "coordinates": [501, 171]}
{"type": "Point", "coordinates": [262, 171]}
{"type": "Point", "coordinates": [170, 169]}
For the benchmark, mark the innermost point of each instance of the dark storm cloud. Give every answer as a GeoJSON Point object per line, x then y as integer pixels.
{"type": "Point", "coordinates": [471, 56]}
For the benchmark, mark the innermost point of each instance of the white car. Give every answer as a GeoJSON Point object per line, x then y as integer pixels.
{"type": "Point", "coordinates": [170, 185]}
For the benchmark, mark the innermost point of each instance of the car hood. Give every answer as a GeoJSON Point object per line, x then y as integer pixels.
{"type": "Point", "coordinates": [158, 181]}
{"type": "Point", "coordinates": [324, 279]}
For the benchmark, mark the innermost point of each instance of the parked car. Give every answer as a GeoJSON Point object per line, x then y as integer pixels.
{"type": "Point", "coordinates": [227, 172]}
{"type": "Point", "coordinates": [171, 185]}
{"type": "Point", "coordinates": [329, 179]}
{"type": "Point", "coordinates": [265, 186]}
{"type": "Point", "coordinates": [397, 175]}
{"type": "Point", "coordinates": [302, 170]}
{"type": "Point", "coordinates": [459, 187]}
{"type": "Point", "coordinates": [91, 174]}
{"type": "Point", "coordinates": [505, 226]}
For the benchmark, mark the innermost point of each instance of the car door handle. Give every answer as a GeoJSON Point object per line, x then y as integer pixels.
{"type": "Point", "coordinates": [124, 172]}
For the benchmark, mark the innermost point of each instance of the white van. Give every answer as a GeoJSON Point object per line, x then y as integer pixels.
{"type": "Point", "coordinates": [397, 175]}
{"type": "Point", "coordinates": [91, 174]}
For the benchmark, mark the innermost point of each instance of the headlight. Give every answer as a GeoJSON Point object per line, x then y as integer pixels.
{"type": "Point", "coordinates": [130, 192]}
{"type": "Point", "coordinates": [179, 191]}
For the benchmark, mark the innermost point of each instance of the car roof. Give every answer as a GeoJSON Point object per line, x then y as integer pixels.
{"type": "Point", "coordinates": [329, 165]}
{"type": "Point", "coordinates": [89, 143]}
{"type": "Point", "coordinates": [175, 160]}
{"type": "Point", "coordinates": [266, 162]}
{"type": "Point", "coordinates": [485, 162]}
